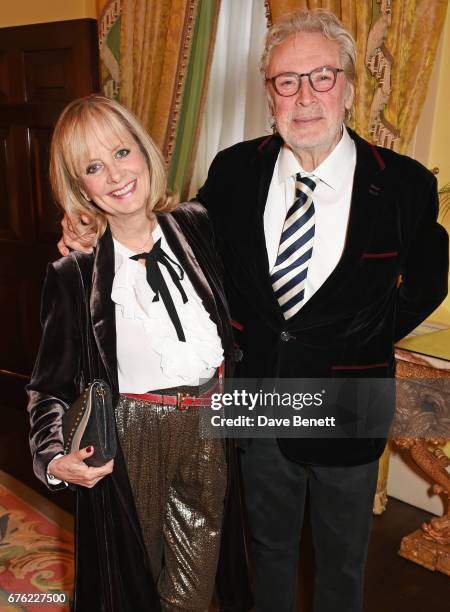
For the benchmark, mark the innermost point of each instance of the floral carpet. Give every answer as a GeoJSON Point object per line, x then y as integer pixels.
{"type": "Point", "coordinates": [36, 551]}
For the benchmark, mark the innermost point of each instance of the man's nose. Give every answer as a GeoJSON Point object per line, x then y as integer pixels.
{"type": "Point", "coordinates": [306, 94]}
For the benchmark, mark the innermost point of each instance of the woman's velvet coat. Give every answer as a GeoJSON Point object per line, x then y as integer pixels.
{"type": "Point", "coordinates": [112, 567]}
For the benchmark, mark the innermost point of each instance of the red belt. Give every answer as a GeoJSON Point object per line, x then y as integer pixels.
{"type": "Point", "coordinates": [181, 400]}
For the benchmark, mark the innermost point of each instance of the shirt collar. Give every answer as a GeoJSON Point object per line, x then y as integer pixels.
{"type": "Point", "coordinates": [329, 171]}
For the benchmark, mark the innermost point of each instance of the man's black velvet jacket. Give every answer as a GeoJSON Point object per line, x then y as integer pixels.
{"type": "Point", "coordinates": [112, 568]}
{"type": "Point", "coordinates": [391, 276]}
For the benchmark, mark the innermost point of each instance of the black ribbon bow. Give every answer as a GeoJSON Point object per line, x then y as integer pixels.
{"type": "Point", "coordinates": [158, 284]}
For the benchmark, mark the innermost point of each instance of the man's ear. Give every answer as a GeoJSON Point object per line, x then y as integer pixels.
{"type": "Point", "coordinates": [349, 96]}
{"type": "Point", "coordinates": [269, 101]}
{"type": "Point", "coordinates": [270, 107]}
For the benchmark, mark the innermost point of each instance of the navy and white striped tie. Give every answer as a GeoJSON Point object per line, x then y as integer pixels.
{"type": "Point", "coordinates": [294, 253]}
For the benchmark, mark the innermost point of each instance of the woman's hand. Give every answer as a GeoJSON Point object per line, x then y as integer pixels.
{"type": "Point", "coordinates": [76, 236]}
{"type": "Point", "coordinates": [72, 468]}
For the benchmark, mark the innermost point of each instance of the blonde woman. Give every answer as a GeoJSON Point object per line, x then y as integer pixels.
{"type": "Point", "coordinates": [149, 522]}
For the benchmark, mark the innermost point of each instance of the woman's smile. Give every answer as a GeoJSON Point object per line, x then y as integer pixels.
{"type": "Point", "coordinates": [124, 192]}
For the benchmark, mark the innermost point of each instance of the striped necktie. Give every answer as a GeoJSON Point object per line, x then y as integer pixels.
{"type": "Point", "coordinates": [294, 253]}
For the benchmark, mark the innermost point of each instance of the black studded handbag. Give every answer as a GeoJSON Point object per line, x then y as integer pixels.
{"type": "Point", "coordinates": [90, 419]}
{"type": "Point", "coordinates": [90, 422]}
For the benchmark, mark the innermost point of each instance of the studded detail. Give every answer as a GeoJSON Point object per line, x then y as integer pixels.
{"type": "Point", "coordinates": [68, 442]}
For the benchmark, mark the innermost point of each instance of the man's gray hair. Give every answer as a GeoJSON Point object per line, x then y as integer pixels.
{"type": "Point", "coordinates": [315, 20]}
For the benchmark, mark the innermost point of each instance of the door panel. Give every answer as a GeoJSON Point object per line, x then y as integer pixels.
{"type": "Point", "coordinates": [42, 68]}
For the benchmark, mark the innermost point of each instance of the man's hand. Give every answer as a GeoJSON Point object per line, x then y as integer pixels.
{"type": "Point", "coordinates": [72, 468]}
{"type": "Point", "coordinates": [77, 236]}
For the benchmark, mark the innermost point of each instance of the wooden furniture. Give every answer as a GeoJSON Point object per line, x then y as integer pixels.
{"type": "Point", "coordinates": [422, 428]}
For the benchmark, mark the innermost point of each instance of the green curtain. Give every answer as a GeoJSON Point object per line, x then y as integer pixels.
{"type": "Point", "coordinates": [108, 12]}
{"type": "Point", "coordinates": [194, 95]}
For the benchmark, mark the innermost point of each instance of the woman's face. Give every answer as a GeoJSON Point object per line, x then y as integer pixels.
{"type": "Point", "coordinates": [116, 176]}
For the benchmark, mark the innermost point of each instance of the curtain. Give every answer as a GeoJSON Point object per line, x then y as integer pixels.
{"type": "Point", "coordinates": [194, 97]}
{"type": "Point", "coordinates": [396, 42]}
{"type": "Point", "coordinates": [155, 41]}
{"type": "Point", "coordinates": [108, 18]}
{"type": "Point", "coordinates": [235, 108]}
{"type": "Point", "coordinates": [412, 40]}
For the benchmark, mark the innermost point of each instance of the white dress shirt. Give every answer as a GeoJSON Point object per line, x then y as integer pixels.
{"type": "Point", "coordinates": [331, 197]}
{"type": "Point", "coordinates": [149, 354]}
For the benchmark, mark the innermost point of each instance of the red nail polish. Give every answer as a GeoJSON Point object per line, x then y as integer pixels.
{"type": "Point", "coordinates": [89, 449]}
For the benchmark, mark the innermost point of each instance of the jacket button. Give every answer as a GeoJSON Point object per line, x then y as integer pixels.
{"type": "Point", "coordinates": [237, 354]}
{"type": "Point", "coordinates": [285, 336]}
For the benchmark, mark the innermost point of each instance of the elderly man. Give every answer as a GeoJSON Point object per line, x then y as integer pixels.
{"type": "Point", "coordinates": [332, 252]}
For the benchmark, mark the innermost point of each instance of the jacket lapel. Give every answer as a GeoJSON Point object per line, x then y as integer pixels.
{"type": "Point", "coordinates": [188, 261]}
{"type": "Point", "coordinates": [263, 165]}
{"type": "Point", "coordinates": [103, 308]}
{"type": "Point", "coordinates": [366, 199]}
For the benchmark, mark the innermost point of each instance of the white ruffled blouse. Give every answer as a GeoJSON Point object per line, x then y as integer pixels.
{"type": "Point", "coordinates": [149, 354]}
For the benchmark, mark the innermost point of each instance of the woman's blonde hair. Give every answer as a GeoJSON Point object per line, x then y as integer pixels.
{"type": "Point", "coordinates": [97, 116]}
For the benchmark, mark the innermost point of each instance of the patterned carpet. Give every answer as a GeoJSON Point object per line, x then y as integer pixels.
{"type": "Point", "coordinates": [36, 551]}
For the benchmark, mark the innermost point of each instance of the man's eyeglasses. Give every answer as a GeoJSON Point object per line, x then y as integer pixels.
{"type": "Point", "coordinates": [289, 83]}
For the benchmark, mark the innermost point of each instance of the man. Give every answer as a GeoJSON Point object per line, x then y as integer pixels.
{"type": "Point", "coordinates": [332, 252]}
{"type": "Point", "coordinates": [316, 229]}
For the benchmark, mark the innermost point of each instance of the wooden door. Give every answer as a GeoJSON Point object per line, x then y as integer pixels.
{"type": "Point", "coordinates": [42, 68]}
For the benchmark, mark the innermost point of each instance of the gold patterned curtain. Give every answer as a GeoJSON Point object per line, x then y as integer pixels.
{"type": "Point", "coordinates": [396, 43]}
{"type": "Point", "coordinates": [412, 40]}
{"type": "Point", "coordinates": [155, 42]}
{"type": "Point", "coordinates": [108, 19]}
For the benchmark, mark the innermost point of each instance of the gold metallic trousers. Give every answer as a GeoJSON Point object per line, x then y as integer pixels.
{"type": "Point", "coordinates": [178, 481]}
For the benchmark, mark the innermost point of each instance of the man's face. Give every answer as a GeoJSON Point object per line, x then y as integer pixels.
{"type": "Point", "coordinates": [310, 121]}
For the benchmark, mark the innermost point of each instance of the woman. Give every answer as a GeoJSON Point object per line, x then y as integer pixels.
{"type": "Point", "coordinates": [149, 522]}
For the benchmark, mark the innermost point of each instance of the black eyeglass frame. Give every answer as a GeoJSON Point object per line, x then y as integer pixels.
{"type": "Point", "coordinates": [335, 72]}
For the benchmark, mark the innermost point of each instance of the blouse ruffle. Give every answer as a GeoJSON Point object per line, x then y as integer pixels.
{"type": "Point", "coordinates": [132, 293]}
